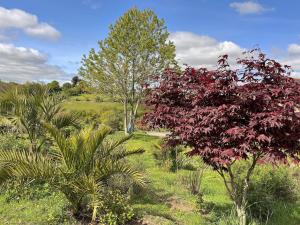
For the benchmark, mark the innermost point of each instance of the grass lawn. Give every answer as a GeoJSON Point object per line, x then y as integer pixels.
{"type": "Point", "coordinates": [96, 107]}
{"type": "Point", "coordinates": [165, 201]}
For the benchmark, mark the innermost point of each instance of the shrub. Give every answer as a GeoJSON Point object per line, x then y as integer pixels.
{"type": "Point", "coordinates": [203, 206]}
{"type": "Point", "coordinates": [113, 119]}
{"type": "Point", "coordinates": [174, 158]}
{"type": "Point", "coordinates": [115, 209]}
{"type": "Point", "coordinates": [232, 219]}
{"type": "Point", "coordinates": [269, 185]}
{"type": "Point", "coordinates": [98, 99]}
{"type": "Point", "coordinates": [11, 141]}
{"type": "Point", "coordinates": [193, 181]}
{"type": "Point", "coordinates": [15, 190]}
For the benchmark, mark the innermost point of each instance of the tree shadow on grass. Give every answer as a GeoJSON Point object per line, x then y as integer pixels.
{"type": "Point", "coordinates": [150, 195]}
{"type": "Point", "coordinates": [155, 197]}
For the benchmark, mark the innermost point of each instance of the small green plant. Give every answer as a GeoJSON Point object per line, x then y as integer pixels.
{"type": "Point", "coordinates": [232, 219]}
{"type": "Point", "coordinates": [98, 99]}
{"type": "Point", "coordinates": [193, 181]}
{"type": "Point", "coordinates": [116, 209]}
{"type": "Point", "coordinates": [203, 206]}
{"type": "Point", "coordinates": [113, 119]}
{"type": "Point", "coordinates": [173, 158]}
{"type": "Point", "coordinates": [16, 190]}
{"type": "Point", "coordinates": [268, 187]}
{"type": "Point", "coordinates": [11, 141]}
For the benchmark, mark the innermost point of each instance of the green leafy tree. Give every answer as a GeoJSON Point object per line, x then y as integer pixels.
{"type": "Point", "coordinates": [136, 48]}
{"type": "Point", "coordinates": [66, 86]}
{"type": "Point", "coordinates": [80, 167]}
{"type": "Point", "coordinates": [75, 80]}
{"type": "Point", "coordinates": [54, 87]}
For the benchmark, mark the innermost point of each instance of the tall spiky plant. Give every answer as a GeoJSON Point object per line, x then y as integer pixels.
{"type": "Point", "coordinates": [80, 167]}
{"type": "Point", "coordinates": [27, 106]}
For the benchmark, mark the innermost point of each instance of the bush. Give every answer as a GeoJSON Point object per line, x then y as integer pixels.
{"type": "Point", "coordinates": [115, 209]}
{"type": "Point", "coordinates": [6, 126]}
{"type": "Point", "coordinates": [174, 158]}
{"type": "Point", "coordinates": [193, 181]}
{"type": "Point", "coordinates": [232, 219]}
{"type": "Point", "coordinates": [98, 99]}
{"type": "Point", "coordinates": [11, 141]}
{"type": "Point", "coordinates": [113, 119]}
{"type": "Point", "coordinates": [268, 186]}
{"type": "Point", "coordinates": [203, 206]}
{"type": "Point", "coordinates": [27, 189]}
{"type": "Point", "coordinates": [110, 116]}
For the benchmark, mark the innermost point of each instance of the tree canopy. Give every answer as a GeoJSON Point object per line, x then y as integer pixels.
{"type": "Point", "coordinates": [227, 115]}
{"type": "Point", "coordinates": [137, 47]}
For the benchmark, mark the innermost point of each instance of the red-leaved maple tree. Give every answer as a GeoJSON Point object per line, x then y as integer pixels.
{"type": "Point", "coordinates": [224, 115]}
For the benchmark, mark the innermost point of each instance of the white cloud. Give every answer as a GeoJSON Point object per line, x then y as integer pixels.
{"type": "Point", "coordinates": [28, 23]}
{"type": "Point", "coordinates": [292, 58]}
{"type": "Point", "coordinates": [294, 50]}
{"type": "Point", "coordinates": [203, 51]}
{"type": "Point", "coordinates": [21, 64]}
{"type": "Point", "coordinates": [93, 4]}
{"type": "Point", "coordinates": [248, 7]}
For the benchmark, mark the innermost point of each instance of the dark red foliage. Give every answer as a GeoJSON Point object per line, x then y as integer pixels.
{"type": "Point", "coordinates": [227, 114]}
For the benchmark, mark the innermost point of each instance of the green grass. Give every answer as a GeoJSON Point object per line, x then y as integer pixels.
{"type": "Point", "coordinates": [97, 107]}
{"type": "Point", "coordinates": [87, 103]}
{"type": "Point", "coordinates": [165, 189]}
{"type": "Point", "coordinates": [50, 210]}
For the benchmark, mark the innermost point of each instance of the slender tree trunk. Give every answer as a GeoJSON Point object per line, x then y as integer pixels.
{"type": "Point", "coordinates": [125, 116]}
{"type": "Point", "coordinates": [131, 121]}
{"type": "Point", "coordinates": [239, 199]}
{"type": "Point", "coordinates": [242, 215]}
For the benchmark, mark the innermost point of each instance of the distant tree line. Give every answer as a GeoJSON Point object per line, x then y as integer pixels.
{"type": "Point", "coordinates": [77, 86]}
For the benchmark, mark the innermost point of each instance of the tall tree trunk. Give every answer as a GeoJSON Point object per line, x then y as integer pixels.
{"type": "Point", "coordinates": [132, 111]}
{"type": "Point", "coordinates": [125, 116]}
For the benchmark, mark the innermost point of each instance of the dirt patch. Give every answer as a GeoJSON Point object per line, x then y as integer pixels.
{"type": "Point", "coordinates": [155, 220]}
{"type": "Point", "coordinates": [180, 205]}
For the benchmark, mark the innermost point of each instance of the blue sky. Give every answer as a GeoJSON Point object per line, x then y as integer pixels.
{"type": "Point", "coordinates": [46, 39]}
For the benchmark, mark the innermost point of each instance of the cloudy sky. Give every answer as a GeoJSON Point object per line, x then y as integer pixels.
{"type": "Point", "coordinates": [45, 40]}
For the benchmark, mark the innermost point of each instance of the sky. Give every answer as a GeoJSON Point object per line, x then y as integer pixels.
{"type": "Point", "coordinates": [45, 40]}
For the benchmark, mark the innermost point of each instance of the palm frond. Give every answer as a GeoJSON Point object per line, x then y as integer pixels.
{"type": "Point", "coordinates": [23, 164]}
{"type": "Point", "coordinates": [123, 153]}
{"type": "Point", "coordinates": [111, 146]}
{"type": "Point", "coordinates": [61, 120]}
{"type": "Point", "coordinates": [104, 172]}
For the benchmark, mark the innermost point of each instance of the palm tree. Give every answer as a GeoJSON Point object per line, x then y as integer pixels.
{"type": "Point", "coordinates": [80, 167]}
{"type": "Point", "coordinates": [27, 106]}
